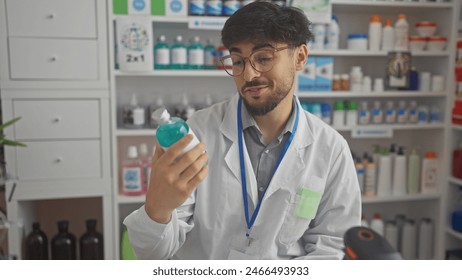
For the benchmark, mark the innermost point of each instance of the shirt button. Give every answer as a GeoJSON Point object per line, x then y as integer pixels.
{"type": "Point", "coordinates": [261, 189]}
{"type": "Point", "coordinates": [266, 151]}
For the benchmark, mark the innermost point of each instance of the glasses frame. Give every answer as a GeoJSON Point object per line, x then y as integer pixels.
{"type": "Point", "coordinates": [245, 59]}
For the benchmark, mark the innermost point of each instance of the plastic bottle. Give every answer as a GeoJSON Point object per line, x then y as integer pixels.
{"type": "Point", "coordinates": [384, 178]}
{"type": "Point", "coordinates": [179, 54]}
{"type": "Point", "coordinates": [360, 173]}
{"type": "Point", "coordinates": [63, 244]}
{"type": "Point", "coordinates": [344, 82]}
{"type": "Point", "coordinates": [351, 114]}
{"type": "Point", "coordinates": [36, 244]}
{"type": "Point", "coordinates": [91, 243]}
{"type": "Point", "coordinates": [388, 36]}
{"type": "Point", "coordinates": [400, 221]}
{"type": "Point", "coordinates": [364, 222]}
{"type": "Point", "coordinates": [457, 161]}
{"type": "Point", "coordinates": [364, 114]}
{"type": "Point", "coordinates": [157, 104]}
{"type": "Point", "coordinates": [401, 33]}
{"type": "Point", "coordinates": [376, 157]}
{"type": "Point", "coordinates": [132, 173]}
{"type": "Point", "coordinates": [409, 240]}
{"type": "Point", "coordinates": [197, 7]}
{"type": "Point", "coordinates": [422, 114]}
{"type": "Point", "coordinates": [213, 7]}
{"type": "Point", "coordinates": [133, 115]}
{"type": "Point", "coordinates": [413, 179]}
{"type": "Point", "coordinates": [413, 115]}
{"type": "Point", "coordinates": [333, 34]}
{"type": "Point", "coordinates": [429, 181]}
{"type": "Point", "coordinates": [195, 54]}
{"type": "Point", "coordinates": [356, 79]}
{"type": "Point", "coordinates": [183, 109]}
{"type": "Point", "coordinates": [210, 53]}
{"type": "Point", "coordinates": [171, 130]}
{"type": "Point", "coordinates": [126, 250]}
{"type": "Point", "coordinates": [370, 179]}
{"type": "Point", "coordinates": [400, 173]}
{"type": "Point", "coordinates": [390, 113]}
{"type": "Point", "coordinates": [367, 84]}
{"type": "Point", "coordinates": [425, 239]}
{"type": "Point", "coordinates": [339, 114]}
{"type": "Point", "coordinates": [378, 85]}
{"type": "Point", "coordinates": [375, 32]}
{"type": "Point", "coordinates": [377, 113]}
{"type": "Point", "coordinates": [319, 32]}
{"type": "Point", "coordinates": [413, 79]}
{"type": "Point", "coordinates": [326, 112]}
{"type": "Point", "coordinates": [435, 115]}
{"type": "Point", "coordinates": [403, 115]}
{"type": "Point", "coordinates": [377, 224]}
{"type": "Point", "coordinates": [223, 51]}
{"type": "Point", "coordinates": [161, 54]}
{"type": "Point", "coordinates": [391, 234]}
{"type": "Point", "coordinates": [145, 165]}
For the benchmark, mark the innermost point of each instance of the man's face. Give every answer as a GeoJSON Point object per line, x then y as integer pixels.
{"type": "Point", "coordinates": [262, 92]}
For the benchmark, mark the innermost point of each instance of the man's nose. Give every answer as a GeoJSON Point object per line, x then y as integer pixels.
{"type": "Point", "coordinates": [249, 72]}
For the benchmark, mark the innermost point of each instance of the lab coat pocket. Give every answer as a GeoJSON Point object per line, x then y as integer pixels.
{"type": "Point", "coordinates": [301, 210]}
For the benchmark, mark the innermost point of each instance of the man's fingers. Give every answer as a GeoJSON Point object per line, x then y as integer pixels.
{"type": "Point", "coordinates": [194, 168]}
{"type": "Point", "coordinates": [175, 150]}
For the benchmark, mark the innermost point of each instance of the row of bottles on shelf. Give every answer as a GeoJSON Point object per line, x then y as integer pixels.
{"type": "Point", "coordinates": [135, 170]}
{"type": "Point", "coordinates": [64, 243]}
{"type": "Point", "coordinates": [413, 240]}
{"type": "Point", "coordinates": [221, 7]}
{"type": "Point", "coordinates": [318, 76]}
{"type": "Point", "coordinates": [347, 113]}
{"type": "Point", "coordinates": [385, 37]}
{"type": "Point", "coordinates": [389, 172]}
{"type": "Point", "coordinates": [137, 116]}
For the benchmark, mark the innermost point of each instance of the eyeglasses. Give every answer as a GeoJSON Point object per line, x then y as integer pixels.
{"type": "Point", "coordinates": [261, 60]}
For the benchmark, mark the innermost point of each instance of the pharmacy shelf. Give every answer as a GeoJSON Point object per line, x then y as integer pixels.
{"type": "Point", "coordinates": [176, 73]}
{"type": "Point", "coordinates": [455, 181]}
{"type": "Point", "coordinates": [456, 127]}
{"type": "Point", "coordinates": [396, 127]}
{"type": "Point", "coordinates": [454, 233]}
{"type": "Point", "coordinates": [383, 94]}
{"type": "Point", "coordinates": [136, 132]}
{"type": "Point", "coordinates": [407, 197]}
{"type": "Point", "coordinates": [193, 22]}
{"type": "Point", "coordinates": [344, 52]}
{"type": "Point", "coordinates": [369, 6]}
{"type": "Point", "coordinates": [123, 199]}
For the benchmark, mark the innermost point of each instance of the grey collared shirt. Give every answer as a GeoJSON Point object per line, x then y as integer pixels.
{"type": "Point", "coordinates": [263, 156]}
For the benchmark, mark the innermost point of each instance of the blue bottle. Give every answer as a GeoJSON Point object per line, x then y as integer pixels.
{"type": "Point", "coordinates": [179, 54]}
{"type": "Point", "coordinates": [195, 54]}
{"type": "Point", "coordinates": [161, 54]}
{"type": "Point", "coordinates": [172, 129]}
{"type": "Point", "coordinates": [210, 53]}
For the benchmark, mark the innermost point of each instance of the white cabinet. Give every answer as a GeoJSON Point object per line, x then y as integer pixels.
{"type": "Point", "coordinates": [54, 76]}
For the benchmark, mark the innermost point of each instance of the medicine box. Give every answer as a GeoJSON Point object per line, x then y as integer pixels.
{"type": "Point", "coordinates": [307, 76]}
{"type": "Point", "coordinates": [169, 7]}
{"type": "Point", "coordinates": [324, 73]}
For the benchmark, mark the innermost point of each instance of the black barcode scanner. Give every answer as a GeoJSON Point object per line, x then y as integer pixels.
{"type": "Point", "coordinates": [362, 243]}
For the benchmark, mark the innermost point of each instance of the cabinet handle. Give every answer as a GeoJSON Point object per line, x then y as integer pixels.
{"type": "Point", "coordinates": [58, 159]}
{"type": "Point", "coordinates": [57, 119]}
{"type": "Point", "coordinates": [51, 16]}
{"type": "Point", "coordinates": [53, 58]}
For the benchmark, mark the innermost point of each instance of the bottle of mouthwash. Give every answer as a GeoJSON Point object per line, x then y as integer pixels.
{"type": "Point", "coordinates": [196, 54]}
{"type": "Point", "coordinates": [179, 54]}
{"type": "Point", "coordinates": [161, 54]}
{"type": "Point", "coordinates": [210, 53]}
{"type": "Point", "coordinates": [171, 130]}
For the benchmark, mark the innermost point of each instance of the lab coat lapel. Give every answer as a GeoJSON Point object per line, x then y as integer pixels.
{"type": "Point", "coordinates": [228, 128]}
{"type": "Point", "coordinates": [293, 162]}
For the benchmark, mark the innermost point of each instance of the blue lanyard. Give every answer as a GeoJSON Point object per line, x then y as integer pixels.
{"type": "Point", "coordinates": [251, 221]}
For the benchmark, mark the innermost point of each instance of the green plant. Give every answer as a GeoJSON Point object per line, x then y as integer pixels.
{"type": "Point", "coordinates": [7, 142]}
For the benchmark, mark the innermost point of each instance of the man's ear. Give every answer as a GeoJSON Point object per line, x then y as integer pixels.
{"type": "Point", "coordinates": [301, 56]}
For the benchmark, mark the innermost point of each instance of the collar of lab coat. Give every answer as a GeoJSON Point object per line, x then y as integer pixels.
{"type": "Point", "coordinates": [291, 165]}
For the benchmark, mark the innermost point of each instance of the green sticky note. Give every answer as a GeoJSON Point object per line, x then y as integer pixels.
{"type": "Point", "coordinates": [120, 7]}
{"type": "Point", "coordinates": [308, 204]}
{"type": "Point", "coordinates": [158, 7]}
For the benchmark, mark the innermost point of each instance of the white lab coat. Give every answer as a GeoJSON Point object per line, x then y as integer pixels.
{"type": "Point", "coordinates": [211, 223]}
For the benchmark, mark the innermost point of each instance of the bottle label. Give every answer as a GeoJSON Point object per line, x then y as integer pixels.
{"type": "Point", "coordinates": [197, 7]}
{"type": "Point", "coordinates": [138, 116]}
{"type": "Point", "coordinates": [390, 116]}
{"type": "Point", "coordinates": [402, 116]}
{"type": "Point", "coordinates": [364, 117]}
{"type": "Point", "coordinates": [413, 118]}
{"type": "Point", "coordinates": [196, 57]}
{"type": "Point", "coordinates": [162, 56]}
{"type": "Point", "coordinates": [214, 7]}
{"type": "Point", "coordinates": [131, 177]}
{"type": "Point", "coordinates": [377, 116]}
{"type": "Point", "coordinates": [422, 116]}
{"type": "Point", "coordinates": [230, 7]}
{"type": "Point", "coordinates": [209, 58]}
{"type": "Point", "coordinates": [179, 56]}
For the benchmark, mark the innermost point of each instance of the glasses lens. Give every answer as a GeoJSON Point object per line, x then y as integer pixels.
{"type": "Point", "coordinates": [262, 60]}
{"type": "Point", "coordinates": [228, 65]}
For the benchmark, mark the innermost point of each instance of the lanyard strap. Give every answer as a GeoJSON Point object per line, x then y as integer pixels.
{"type": "Point", "coordinates": [251, 221]}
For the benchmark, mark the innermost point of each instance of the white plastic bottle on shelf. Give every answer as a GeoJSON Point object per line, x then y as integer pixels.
{"type": "Point", "coordinates": [429, 180]}
{"type": "Point", "coordinates": [377, 113]}
{"type": "Point", "coordinates": [333, 34]}
{"type": "Point", "coordinates": [391, 234]}
{"type": "Point", "coordinates": [370, 179]}
{"type": "Point", "coordinates": [375, 32]}
{"type": "Point", "coordinates": [364, 114]}
{"type": "Point", "coordinates": [133, 115]}
{"type": "Point", "coordinates": [319, 32]}
{"type": "Point", "coordinates": [401, 33]}
{"type": "Point", "coordinates": [377, 224]}
{"type": "Point", "coordinates": [364, 222]}
{"type": "Point", "coordinates": [409, 240]}
{"type": "Point", "coordinates": [367, 84]}
{"type": "Point", "coordinates": [413, 114]}
{"type": "Point", "coordinates": [388, 36]}
{"type": "Point", "coordinates": [390, 113]}
{"type": "Point", "coordinates": [145, 164]}
{"type": "Point", "coordinates": [384, 179]}
{"type": "Point", "coordinates": [400, 173]}
{"type": "Point", "coordinates": [132, 173]}
{"type": "Point", "coordinates": [402, 116]}
{"type": "Point", "coordinates": [425, 239]}
{"type": "Point", "coordinates": [184, 109]}
{"type": "Point", "coordinates": [338, 117]}
{"type": "Point", "coordinates": [356, 79]}
{"type": "Point", "coordinates": [351, 114]}
{"type": "Point", "coordinates": [413, 179]}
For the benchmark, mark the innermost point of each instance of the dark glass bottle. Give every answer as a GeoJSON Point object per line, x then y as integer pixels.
{"type": "Point", "coordinates": [63, 244]}
{"type": "Point", "coordinates": [91, 243]}
{"type": "Point", "coordinates": [36, 244]}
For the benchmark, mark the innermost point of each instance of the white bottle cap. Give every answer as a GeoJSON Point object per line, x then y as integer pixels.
{"type": "Point", "coordinates": [132, 152]}
{"type": "Point", "coordinates": [160, 115]}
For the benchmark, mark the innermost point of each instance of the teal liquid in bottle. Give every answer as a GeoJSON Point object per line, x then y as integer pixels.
{"type": "Point", "coordinates": [161, 54]}
{"type": "Point", "coordinates": [171, 129]}
{"type": "Point", "coordinates": [210, 53]}
{"type": "Point", "coordinates": [196, 54]}
{"type": "Point", "coordinates": [179, 54]}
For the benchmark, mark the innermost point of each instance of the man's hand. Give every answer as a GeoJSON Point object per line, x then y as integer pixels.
{"type": "Point", "coordinates": [174, 178]}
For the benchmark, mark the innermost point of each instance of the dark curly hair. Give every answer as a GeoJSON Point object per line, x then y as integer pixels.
{"type": "Point", "coordinates": [262, 22]}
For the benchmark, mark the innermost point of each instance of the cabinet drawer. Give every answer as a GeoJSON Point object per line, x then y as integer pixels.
{"type": "Point", "coordinates": [53, 59]}
{"type": "Point", "coordinates": [59, 160]}
{"type": "Point", "coordinates": [57, 119]}
{"type": "Point", "coordinates": [52, 18]}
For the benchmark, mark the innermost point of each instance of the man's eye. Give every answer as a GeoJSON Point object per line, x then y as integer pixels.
{"type": "Point", "coordinates": [238, 63]}
{"type": "Point", "coordinates": [263, 59]}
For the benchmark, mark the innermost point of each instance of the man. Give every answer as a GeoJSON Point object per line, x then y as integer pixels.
{"type": "Point", "coordinates": [281, 184]}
